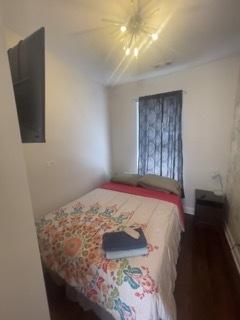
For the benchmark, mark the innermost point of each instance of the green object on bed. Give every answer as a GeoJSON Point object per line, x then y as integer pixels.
{"type": "Point", "coordinates": [125, 178]}
{"type": "Point", "coordinates": [155, 182]}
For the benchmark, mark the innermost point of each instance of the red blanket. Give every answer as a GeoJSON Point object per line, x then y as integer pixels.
{"type": "Point", "coordinates": [150, 194]}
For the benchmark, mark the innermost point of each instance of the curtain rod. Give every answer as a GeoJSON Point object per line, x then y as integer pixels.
{"type": "Point", "coordinates": [137, 99]}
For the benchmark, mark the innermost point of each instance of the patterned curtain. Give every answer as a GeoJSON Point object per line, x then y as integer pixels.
{"type": "Point", "coordinates": [160, 135]}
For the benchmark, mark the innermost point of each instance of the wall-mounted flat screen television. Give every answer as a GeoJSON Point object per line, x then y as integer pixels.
{"type": "Point", "coordinates": [27, 64]}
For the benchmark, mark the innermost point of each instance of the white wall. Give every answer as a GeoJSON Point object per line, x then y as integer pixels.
{"type": "Point", "coordinates": [77, 142]}
{"type": "Point", "coordinates": [22, 287]}
{"type": "Point", "coordinates": [208, 104]}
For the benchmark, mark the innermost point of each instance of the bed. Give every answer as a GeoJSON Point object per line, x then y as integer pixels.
{"type": "Point", "coordinates": [137, 288]}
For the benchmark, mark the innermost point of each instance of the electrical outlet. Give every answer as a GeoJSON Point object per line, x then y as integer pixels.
{"type": "Point", "coordinates": [50, 163]}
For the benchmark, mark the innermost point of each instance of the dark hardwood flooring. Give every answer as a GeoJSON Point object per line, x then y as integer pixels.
{"type": "Point", "coordinates": [207, 285]}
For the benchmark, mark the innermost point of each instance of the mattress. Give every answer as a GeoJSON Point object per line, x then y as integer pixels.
{"type": "Point", "coordinates": [136, 288]}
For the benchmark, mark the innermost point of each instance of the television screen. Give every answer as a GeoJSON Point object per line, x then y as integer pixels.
{"type": "Point", "coordinates": [27, 64]}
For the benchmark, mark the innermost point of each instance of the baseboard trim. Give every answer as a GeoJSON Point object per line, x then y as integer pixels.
{"type": "Point", "coordinates": [188, 210]}
{"type": "Point", "coordinates": [235, 251]}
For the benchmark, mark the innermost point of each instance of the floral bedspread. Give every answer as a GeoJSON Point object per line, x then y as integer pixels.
{"type": "Point", "coordinates": [138, 288]}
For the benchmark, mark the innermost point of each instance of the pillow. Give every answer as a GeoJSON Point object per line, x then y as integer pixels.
{"type": "Point", "coordinates": [152, 181]}
{"type": "Point", "coordinates": [125, 178]}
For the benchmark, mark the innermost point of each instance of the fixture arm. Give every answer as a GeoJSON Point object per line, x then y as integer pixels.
{"type": "Point", "coordinates": [116, 22]}
{"type": "Point", "coordinates": [131, 40]}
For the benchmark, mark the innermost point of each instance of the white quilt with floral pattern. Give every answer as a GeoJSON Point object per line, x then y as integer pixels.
{"type": "Point", "coordinates": [138, 288]}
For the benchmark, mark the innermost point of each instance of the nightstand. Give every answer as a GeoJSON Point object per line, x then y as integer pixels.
{"type": "Point", "coordinates": [210, 210]}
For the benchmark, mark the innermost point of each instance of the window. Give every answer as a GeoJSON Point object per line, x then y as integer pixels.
{"type": "Point", "coordinates": [160, 135]}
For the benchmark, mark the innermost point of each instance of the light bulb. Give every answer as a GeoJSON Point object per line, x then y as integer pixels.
{"type": "Point", "coordinates": [136, 51]}
{"type": "Point", "coordinates": [123, 28]}
{"type": "Point", "coordinates": [154, 36]}
{"type": "Point", "coordinates": [127, 51]}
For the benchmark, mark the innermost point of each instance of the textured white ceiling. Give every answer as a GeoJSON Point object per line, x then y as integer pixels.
{"type": "Point", "coordinates": [192, 32]}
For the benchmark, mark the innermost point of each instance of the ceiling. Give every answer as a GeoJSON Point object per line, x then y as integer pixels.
{"type": "Point", "coordinates": [191, 33]}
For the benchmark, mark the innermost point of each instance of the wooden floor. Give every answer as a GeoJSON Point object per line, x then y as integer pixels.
{"type": "Point", "coordinates": [208, 283]}
{"type": "Point", "coordinates": [207, 286]}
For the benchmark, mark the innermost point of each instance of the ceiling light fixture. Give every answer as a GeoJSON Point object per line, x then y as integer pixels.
{"type": "Point", "coordinates": [154, 36]}
{"type": "Point", "coordinates": [123, 28]}
{"type": "Point", "coordinates": [136, 29]}
{"type": "Point", "coordinates": [127, 51]}
{"type": "Point", "coordinates": [136, 51]}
